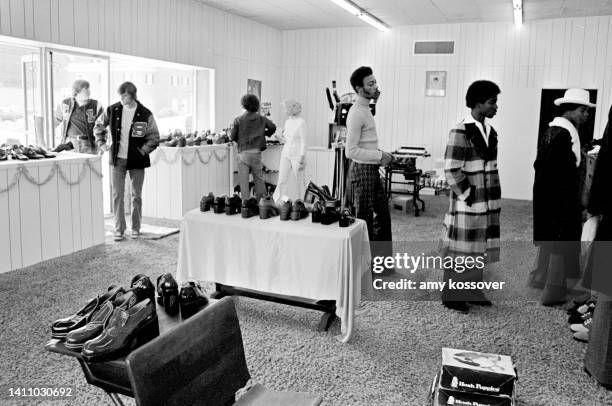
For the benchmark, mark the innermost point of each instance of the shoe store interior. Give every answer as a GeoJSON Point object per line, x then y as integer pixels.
{"type": "Point", "coordinates": [306, 202]}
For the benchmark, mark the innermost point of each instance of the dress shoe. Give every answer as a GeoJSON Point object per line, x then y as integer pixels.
{"type": "Point", "coordinates": [462, 307]}
{"type": "Point", "coordinates": [126, 329]}
{"type": "Point", "coordinates": [346, 219]}
{"type": "Point", "coordinates": [17, 154]}
{"type": "Point", "coordinates": [584, 327]}
{"type": "Point", "coordinates": [284, 209]}
{"type": "Point", "coordinates": [30, 153]}
{"type": "Point", "coordinates": [192, 298]}
{"type": "Point", "coordinates": [167, 293]}
{"type": "Point", "coordinates": [582, 336]}
{"type": "Point", "coordinates": [77, 338]}
{"type": "Point", "coordinates": [3, 154]}
{"type": "Point", "coordinates": [314, 193]}
{"type": "Point", "coordinates": [182, 142]}
{"type": "Point", "coordinates": [267, 208]}
{"type": "Point", "coordinates": [220, 204]}
{"type": "Point", "coordinates": [41, 151]}
{"type": "Point", "coordinates": [207, 202]}
{"type": "Point", "coordinates": [249, 208]}
{"type": "Point", "coordinates": [233, 205]}
{"type": "Point", "coordinates": [67, 146]}
{"type": "Point", "coordinates": [317, 212]}
{"type": "Point", "coordinates": [60, 328]}
{"type": "Point", "coordinates": [330, 212]}
{"type": "Point", "coordinates": [172, 143]}
{"type": "Point", "coordinates": [298, 210]}
{"type": "Point", "coordinates": [143, 287]}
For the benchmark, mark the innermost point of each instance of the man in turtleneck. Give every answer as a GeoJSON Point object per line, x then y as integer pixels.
{"type": "Point", "coordinates": [365, 190]}
{"type": "Point", "coordinates": [78, 115]}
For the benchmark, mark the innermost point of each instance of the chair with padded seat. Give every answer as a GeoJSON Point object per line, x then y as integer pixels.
{"type": "Point", "coordinates": [202, 362]}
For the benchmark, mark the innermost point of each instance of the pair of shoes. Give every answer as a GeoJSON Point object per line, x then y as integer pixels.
{"type": "Point", "coordinates": [219, 205]}
{"type": "Point", "coordinates": [233, 205]}
{"type": "Point", "coordinates": [126, 328]}
{"type": "Point", "coordinates": [207, 202]}
{"type": "Point", "coordinates": [314, 193]}
{"type": "Point", "coordinates": [41, 151]}
{"type": "Point", "coordinates": [584, 327]}
{"type": "Point", "coordinates": [60, 328]}
{"type": "Point", "coordinates": [30, 153]}
{"type": "Point", "coordinates": [17, 153]}
{"type": "Point", "coordinates": [192, 298]}
{"type": "Point", "coordinates": [117, 236]}
{"type": "Point", "coordinates": [249, 208]}
{"type": "Point", "coordinates": [267, 208]}
{"type": "Point", "coordinates": [168, 293]}
{"type": "Point", "coordinates": [77, 338]}
{"type": "Point", "coordinates": [461, 307]}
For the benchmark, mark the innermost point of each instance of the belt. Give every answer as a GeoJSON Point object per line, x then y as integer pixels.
{"type": "Point", "coordinates": [79, 136]}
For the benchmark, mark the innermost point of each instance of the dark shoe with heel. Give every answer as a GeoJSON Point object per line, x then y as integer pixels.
{"type": "Point", "coordinates": [249, 208]}
{"type": "Point", "coordinates": [284, 209]}
{"type": "Point", "coordinates": [317, 212]}
{"type": "Point", "coordinates": [207, 202]}
{"type": "Point", "coordinates": [192, 298]}
{"type": "Point", "coordinates": [125, 330]}
{"type": "Point", "coordinates": [267, 208]}
{"type": "Point", "coordinates": [142, 286]}
{"type": "Point", "coordinates": [167, 293]}
{"type": "Point", "coordinates": [233, 205]}
{"type": "Point", "coordinates": [219, 206]}
{"type": "Point", "coordinates": [60, 328]}
{"type": "Point", "coordinates": [298, 210]}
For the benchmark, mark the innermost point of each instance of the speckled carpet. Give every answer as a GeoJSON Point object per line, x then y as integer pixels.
{"type": "Point", "coordinates": [391, 360]}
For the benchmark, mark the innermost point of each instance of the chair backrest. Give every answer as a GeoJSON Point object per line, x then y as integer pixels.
{"type": "Point", "coordinates": [201, 361]}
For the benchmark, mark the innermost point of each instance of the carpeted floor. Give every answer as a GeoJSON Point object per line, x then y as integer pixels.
{"type": "Point", "coordinates": [391, 359]}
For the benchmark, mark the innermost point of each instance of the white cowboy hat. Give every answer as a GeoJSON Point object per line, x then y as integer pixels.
{"type": "Point", "coordinates": [575, 96]}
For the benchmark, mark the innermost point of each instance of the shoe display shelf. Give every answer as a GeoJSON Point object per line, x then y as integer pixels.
{"type": "Point", "coordinates": [49, 208]}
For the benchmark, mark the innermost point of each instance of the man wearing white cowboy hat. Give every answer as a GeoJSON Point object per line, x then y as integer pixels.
{"type": "Point", "coordinates": [557, 210]}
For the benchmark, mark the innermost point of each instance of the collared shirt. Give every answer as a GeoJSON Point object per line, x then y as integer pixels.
{"type": "Point", "coordinates": [487, 127]}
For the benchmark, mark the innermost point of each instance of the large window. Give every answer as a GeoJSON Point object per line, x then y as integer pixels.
{"type": "Point", "coordinates": [21, 108]}
{"type": "Point", "coordinates": [35, 80]}
{"type": "Point", "coordinates": [169, 91]}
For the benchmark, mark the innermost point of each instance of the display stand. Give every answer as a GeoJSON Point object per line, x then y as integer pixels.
{"type": "Point", "coordinates": [179, 177]}
{"type": "Point", "coordinates": [49, 208]}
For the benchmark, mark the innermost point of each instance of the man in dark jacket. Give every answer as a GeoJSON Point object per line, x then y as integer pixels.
{"type": "Point", "coordinates": [249, 131]}
{"type": "Point", "coordinates": [134, 136]}
{"type": "Point", "coordinates": [557, 210]}
{"type": "Point", "coordinates": [77, 116]}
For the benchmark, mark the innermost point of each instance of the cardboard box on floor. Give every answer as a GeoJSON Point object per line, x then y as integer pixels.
{"type": "Point", "coordinates": [477, 372]}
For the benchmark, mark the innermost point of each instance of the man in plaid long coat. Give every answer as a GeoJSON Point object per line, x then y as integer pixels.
{"type": "Point", "coordinates": [471, 226]}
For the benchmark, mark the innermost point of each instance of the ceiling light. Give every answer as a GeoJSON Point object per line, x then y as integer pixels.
{"type": "Point", "coordinates": [518, 12]}
{"type": "Point", "coordinates": [353, 9]}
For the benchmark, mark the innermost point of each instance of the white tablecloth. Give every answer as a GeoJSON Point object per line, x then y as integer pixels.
{"type": "Point", "coordinates": [294, 258]}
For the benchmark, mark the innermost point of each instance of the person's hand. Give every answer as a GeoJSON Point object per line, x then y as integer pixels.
{"type": "Point", "coordinates": [386, 159]}
{"type": "Point", "coordinates": [141, 151]}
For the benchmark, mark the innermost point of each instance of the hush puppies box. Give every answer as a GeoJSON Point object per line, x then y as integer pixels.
{"type": "Point", "coordinates": [477, 372]}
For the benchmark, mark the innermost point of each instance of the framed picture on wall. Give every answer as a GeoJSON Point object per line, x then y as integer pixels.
{"type": "Point", "coordinates": [254, 87]}
{"type": "Point", "coordinates": [435, 83]}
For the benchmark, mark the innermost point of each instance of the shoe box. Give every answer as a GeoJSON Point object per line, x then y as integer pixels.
{"type": "Point", "coordinates": [474, 378]}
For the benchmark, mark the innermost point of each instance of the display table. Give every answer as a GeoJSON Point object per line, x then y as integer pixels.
{"type": "Point", "coordinates": [48, 208]}
{"type": "Point", "coordinates": [179, 177]}
{"type": "Point", "coordinates": [291, 258]}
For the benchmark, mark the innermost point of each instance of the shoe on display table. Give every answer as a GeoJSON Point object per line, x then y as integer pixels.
{"type": "Point", "coordinates": [298, 210]}
{"type": "Point", "coordinates": [284, 208]}
{"type": "Point", "coordinates": [207, 202]}
{"type": "Point", "coordinates": [219, 206]}
{"type": "Point", "coordinates": [267, 208]}
{"type": "Point", "coordinates": [233, 205]}
{"type": "Point", "coordinates": [250, 208]}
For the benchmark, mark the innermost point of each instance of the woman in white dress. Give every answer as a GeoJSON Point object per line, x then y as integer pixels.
{"type": "Point", "coordinates": [293, 155]}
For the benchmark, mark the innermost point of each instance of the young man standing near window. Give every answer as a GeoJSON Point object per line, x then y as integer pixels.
{"type": "Point", "coordinates": [134, 136]}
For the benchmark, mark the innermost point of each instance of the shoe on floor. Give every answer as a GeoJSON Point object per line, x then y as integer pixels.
{"type": "Point", "coordinates": [461, 307]}
{"type": "Point", "coordinates": [135, 233]}
{"type": "Point", "coordinates": [117, 236]}
{"type": "Point", "coordinates": [582, 336]}
{"type": "Point", "coordinates": [581, 326]}
{"type": "Point", "coordinates": [479, 299]}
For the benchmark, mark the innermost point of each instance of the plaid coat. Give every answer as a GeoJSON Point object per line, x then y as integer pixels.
{"type": "Point", "coordinates": [471, 227]}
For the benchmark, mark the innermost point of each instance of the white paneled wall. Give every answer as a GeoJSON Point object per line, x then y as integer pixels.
{"type": "Point", "coordinates": [183, 31]}
{"type": "Point", "coordinates": [546, 53]}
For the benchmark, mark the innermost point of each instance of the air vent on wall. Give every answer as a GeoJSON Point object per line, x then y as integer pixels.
{"type": "Point", "coordinates": [434, 47]}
